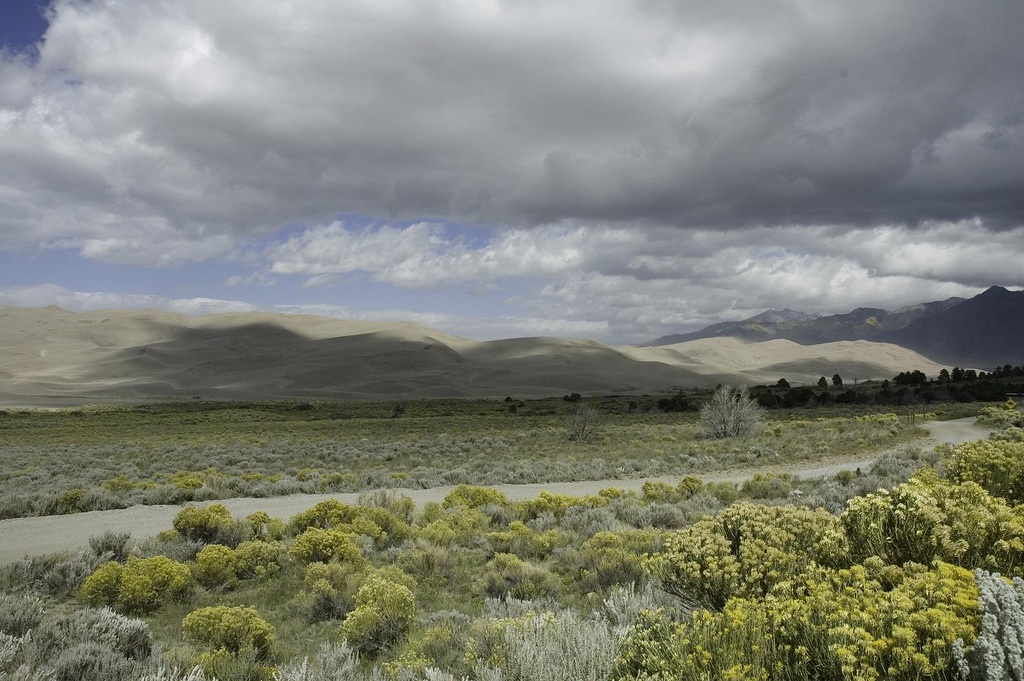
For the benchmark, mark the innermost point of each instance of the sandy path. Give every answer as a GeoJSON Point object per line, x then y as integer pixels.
{"type": "Point", "coordinates": [35, 536]}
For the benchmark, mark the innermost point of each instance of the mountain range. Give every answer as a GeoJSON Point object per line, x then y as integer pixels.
{"type": "Point", "coordinates": [980, 332]}
{"type": "Point", "coordinates": [49, 356]}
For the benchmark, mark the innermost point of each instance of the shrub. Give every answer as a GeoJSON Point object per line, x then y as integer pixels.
{"type": "Point", "coordinates": [57, 574]}
{"type": "Point", "coordinates": [746, 550]}
{"type": "Point", "coordinates": [212, 524]}
{"type": "Point", "coordinates": [231, 628]}
{"type": "Point", "coordinates": [998, 466]}
{"type": "Point", "coordinates": [19, 613]}
{"type": "Point", "coordinates": [610, 559]}
{"type": "Point", "coordinates": [507, 575]}
{"type": "Point", "coordinates": [91, 662]}
{"type": "Point", "coordinates": [140, 585]}
{"type": "Point", "coordinates": [928, 518]}
{"type": "Point", "coordinates": [383, 614]}
{"type": "Point", "coordinates": [115, 545]}
{"type": "Point", "coordinates": [215, 566]}
{"type": "Point", "coordinates": [319, 545]}
{"type": "Point", "coordinates": [998, 652]}
{"type": "Point", "coordinates": [730, 413]}
{"type": "Point", "coordinates": [325, 515]}
{"type": "Point", "coordinates": [332, 662]}
{"type": "Point", "coordinates": [869, 622]}
{"type": "Point", "coordinates": [561, 647]}
{"type": "Point", "coordinates": [474, 497]}
{"type": "Point", "coordinates": [582, 425]}
{"type": "Point", "coordinates": [127, 637]}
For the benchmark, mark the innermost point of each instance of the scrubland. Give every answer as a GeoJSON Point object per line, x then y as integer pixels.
{"type": "Point", "coordinates": [97, 458]}
{"type": "Point", "coordinates": [890, 574]}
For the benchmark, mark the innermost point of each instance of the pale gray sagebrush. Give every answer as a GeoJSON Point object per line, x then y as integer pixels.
{"type": "Point", "coordinates": [998, 654]}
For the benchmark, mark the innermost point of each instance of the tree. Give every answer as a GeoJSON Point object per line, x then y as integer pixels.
{"type": "Point", "coordinates": [730, 413]}
{"type": "Point", "coordinates": [837, 380]}
{"type": "Point", "coordinates": [783, 383]}
{"type": "Point", "coordinates": [822, 382]}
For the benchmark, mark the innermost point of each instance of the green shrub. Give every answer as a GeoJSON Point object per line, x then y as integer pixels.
{"type": "Point", "coordinates": [215, 566]}
{"type": "Point", "coordinates": [319, 545]}
{"type": "Point", "coordinates": [383, 614]}
{"type": "Point", "coordinates": [140, 585]}
{"type": "Point", "coordinates": [525, 542]}
{"type": "Point", "coordinates": [474, 497]}
{"type": "Point", "coordinates": [325, 515]}
{"type": "Point", "coordinates": [507, 575]}
{"type": "Point", "coordinates": [212, 524]}
{"type": "Point", "coordinates": [232, 628]}
{"type": "Point", "coordinates": [610, 559]}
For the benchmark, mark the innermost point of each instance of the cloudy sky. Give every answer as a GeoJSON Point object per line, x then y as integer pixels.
{"type": "Point", "coordinates": [616, 170]}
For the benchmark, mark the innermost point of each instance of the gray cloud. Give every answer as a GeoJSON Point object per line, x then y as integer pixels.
{"type": "Point", "coordinates": [174, 122]}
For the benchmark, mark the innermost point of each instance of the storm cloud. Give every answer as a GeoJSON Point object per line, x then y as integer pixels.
{"type": "Point", "coordinates": [594, 141]}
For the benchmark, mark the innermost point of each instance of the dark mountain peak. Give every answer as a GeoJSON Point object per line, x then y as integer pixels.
{"type": "Point", "coordinates": [996, 292]}
{"type": "Point", "coordinates": [980, 331]}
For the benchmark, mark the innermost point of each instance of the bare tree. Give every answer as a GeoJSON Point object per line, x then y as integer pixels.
{"type": "Point", "coordinates": [582, 425]}
{"type": "Point", "coordinates": [730, 413]}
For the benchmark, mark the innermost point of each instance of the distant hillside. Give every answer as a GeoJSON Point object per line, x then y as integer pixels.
{"type": "Point", "coordinates": [864, 323]}
{"type": "Point", "coordinates": [985, 331]}
{"type": "Point", "coordinates": [50, 354]}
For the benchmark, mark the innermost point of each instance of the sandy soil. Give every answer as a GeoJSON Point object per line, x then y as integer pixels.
{"type": "Point", "coordinates": [35, 536]}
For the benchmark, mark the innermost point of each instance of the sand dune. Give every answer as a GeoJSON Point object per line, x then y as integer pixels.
{"type": "Point", "coordinates": [50, 353]}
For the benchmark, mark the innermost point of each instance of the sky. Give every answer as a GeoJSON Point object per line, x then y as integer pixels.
{"type": "Point", "coordinates": [614, 170]}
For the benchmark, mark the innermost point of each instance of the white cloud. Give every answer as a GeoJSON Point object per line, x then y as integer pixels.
{"type": "Point", "coordinates": [86, 301]}
{"type": "Point", "coordinates": [190, 121]}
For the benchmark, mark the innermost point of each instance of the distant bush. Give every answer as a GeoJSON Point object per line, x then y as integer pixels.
{"type": "Point", "coordinates": [474, 497]}
{"type": "Point", "coordinates": [730, 413]}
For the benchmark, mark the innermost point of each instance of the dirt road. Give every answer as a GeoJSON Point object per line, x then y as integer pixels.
{"type": "Point", "coordinates": [35, 536]}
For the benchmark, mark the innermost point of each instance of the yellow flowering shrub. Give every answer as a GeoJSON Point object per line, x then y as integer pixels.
{"type": "Point", "coordinates": [746, 550]}
{"type": "Point", "coordinates": [231, 628]}
{"type": "Point", "coordinates": [929, 518]}
{"type": "Point", "coordinates": [474, 497]}
{"type": "Point", "coordinates": [866, 623]}
{"type": "Point", "coordinates": [996, 465]}
{"type": "Point", "coordinates": [141, 585]}
{"type": "Point", "coordinates": [320, 545]}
